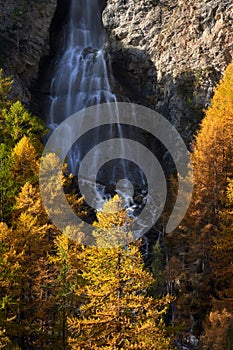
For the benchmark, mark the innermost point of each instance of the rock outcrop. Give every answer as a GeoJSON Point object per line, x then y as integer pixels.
{"type": "Point", "coordinates": [24, 34]}
{"type": "Point", "coordinates": [166, 54]}
{"type": "Point", "coordinates": [170, 54]}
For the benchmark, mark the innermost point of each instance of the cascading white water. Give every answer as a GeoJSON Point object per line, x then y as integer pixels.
{"type": "Point", "coordinates": [81, 75]}
{"type": "Point", "coordinates": [81, 79]}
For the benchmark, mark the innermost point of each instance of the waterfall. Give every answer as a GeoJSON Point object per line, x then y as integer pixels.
{"type": "Point", "coordinates": [81, 73]}
{"type": "Point", "coordinates": [81, 79]}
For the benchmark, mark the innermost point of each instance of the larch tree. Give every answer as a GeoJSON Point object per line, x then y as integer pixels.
{"type": "Point", "coordinates": [218, 331]}
{"type": "Point", "coordinates": [68, 265]}
{"type": "Point", "coordinates": [213, 152]}
{"type": "Point", "coordinates": [219, 323]}
{"type": "Point", "coordinates": [17, 166]}
{"type": "Point", "coordinates": [193, 244]}
{"type": "Point", "coordinates": [7, 188]}
{"type": "Point", "coordinates": [25, 163]}
{"type": "Point", "coordinates": [116, 310]}
{"type": "Point", "coordinates": [222, 262]}
{"type": "Point", "coordinates": [213, 168]}
{"type": "Point", "coordinates": [8, 275]}
{"type": "Point", "coordinates": [5, 87]}
{"type": "Point", "coordinates": [18, 122]}
{"type": "Point", "coordinates": [20, 133]}
{"type": "Point", "coordinates": [25, 247]}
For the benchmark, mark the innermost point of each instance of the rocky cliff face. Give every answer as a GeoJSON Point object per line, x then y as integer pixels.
{"type": "Point", "coordinates": [24, 34]}
{"type": "Point", "coordinates": [167, 54]}
{"type": "Point", "coordinates": [170, 54]}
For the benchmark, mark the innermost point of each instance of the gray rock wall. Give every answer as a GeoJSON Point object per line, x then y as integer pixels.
{"type": "Point", "coordinates": [170, 54]}
{"type": "Point", "coordinates": [24, 38]}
